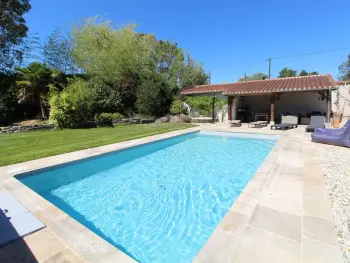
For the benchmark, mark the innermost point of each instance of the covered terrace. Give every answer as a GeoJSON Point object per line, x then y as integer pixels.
{"type": "Point", "coordinates": [269, 99]}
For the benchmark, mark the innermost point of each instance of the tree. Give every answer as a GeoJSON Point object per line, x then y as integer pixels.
{"type": "Point", "coordinates": [117, 57]}
{"type": "Point", "coordinates": [57, 52]}
{"type": "Point", "coordinates": [305, 73]}
{"type": "Point", "coordinates": [192, 73]}
{"type": "Point", "coordinates": [35, 84]}
{"type": "Point", "coordinates": [344, 70]}
{"type": "Point", "coordinates": [169, 61]}
{"type": "Point", "coordinates": [154, 96]}
{"type": "Point", "coordinates": [287, 72]}
{"type": "Point", "coordinates": [12, 31]}
{"type": "Point", "coordinates": [254, 76]}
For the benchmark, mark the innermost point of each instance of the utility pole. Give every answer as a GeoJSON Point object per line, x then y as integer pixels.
{"type": "Point", "coordinates": [245, 76]}
{"type": "Point", "coordinates": [269, 59]}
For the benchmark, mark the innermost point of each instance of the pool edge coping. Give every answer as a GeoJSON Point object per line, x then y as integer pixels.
{"type": "Point", "coordinates": [56, 220]}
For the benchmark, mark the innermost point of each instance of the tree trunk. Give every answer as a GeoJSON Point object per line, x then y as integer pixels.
{"type": "Point", "coordinates": [42, 107]}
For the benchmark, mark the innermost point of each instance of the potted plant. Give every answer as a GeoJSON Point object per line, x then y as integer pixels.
{"type": "Point", "coordinates": [336, 119]}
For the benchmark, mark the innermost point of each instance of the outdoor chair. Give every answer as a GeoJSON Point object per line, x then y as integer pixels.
{"type": "Point", "coordinates": [332, 131]}
{"type": "Point", "coordinates": [316, 122]}
{"type": "Point", "coordinates": [288, 121]}
{"type": "Point", "coordinates": [340, 137]}
{"type": "Point", "coordinates": [258, 124]}
{"type": "Point", "coordinates": [234, 123]}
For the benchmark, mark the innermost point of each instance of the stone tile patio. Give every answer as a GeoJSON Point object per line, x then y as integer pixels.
{"type": "Point", "coordinates": [282, 215]}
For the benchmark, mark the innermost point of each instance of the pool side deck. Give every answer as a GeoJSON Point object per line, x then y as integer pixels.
{"type": "Point", "coordinates": [282, 215]}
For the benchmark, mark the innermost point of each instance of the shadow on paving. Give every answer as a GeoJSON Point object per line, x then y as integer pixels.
{"type": "Point", "coordinates": [15, 250]}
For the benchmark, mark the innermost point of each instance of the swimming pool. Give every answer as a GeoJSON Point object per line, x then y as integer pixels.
{"type": "Point", "coordinates": [157, 202]}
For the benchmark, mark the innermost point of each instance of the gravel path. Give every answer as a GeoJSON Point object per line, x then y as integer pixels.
{"type": "Point", "coordinates": [336, 165]}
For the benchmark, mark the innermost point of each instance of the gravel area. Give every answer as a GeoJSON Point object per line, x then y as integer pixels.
{"type": "Point", "coordinates": [336, 165]}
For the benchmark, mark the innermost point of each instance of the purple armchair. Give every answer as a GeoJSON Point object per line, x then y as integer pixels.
{"type": "Point", "coordinates": [340, 137]}
{"type": "Point", "coordinates": [332, 131]}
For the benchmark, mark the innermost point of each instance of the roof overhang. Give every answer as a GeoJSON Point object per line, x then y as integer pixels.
{"type": "Point", "coordinates": [313, 83]}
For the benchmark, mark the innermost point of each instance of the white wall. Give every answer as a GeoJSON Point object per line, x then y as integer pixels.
{"type": "Point", "coordinates": [344, 104]}
{"type": "Point", "coordinates": [294, 103]}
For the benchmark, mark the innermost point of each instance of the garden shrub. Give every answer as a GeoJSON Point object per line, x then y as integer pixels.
{"type": "Point", "coordinates": [72, 107]}
{"type": "Point", "coordinates": [177, 108]}
{"type": "Point", "coordinates": [104, 119]}
{"type": "Point", "coordinates": [117, 116]}
{"type": "Point", "coordinates": [107, 119]}
{"type": "Point", "coordinates": [154, 97]}
{"type": "Point", "coordinates": [203, 105]}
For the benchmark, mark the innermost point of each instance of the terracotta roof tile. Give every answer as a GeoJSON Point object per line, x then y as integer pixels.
{"type": "Point", "coordinates": [305, 83]}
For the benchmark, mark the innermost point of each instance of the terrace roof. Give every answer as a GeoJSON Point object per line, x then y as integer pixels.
{"type": "Point", "coordinates": [305, 83]}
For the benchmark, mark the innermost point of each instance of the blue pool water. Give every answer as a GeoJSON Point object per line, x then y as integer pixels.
{"type": "Point", "coordinates": [159, 202]}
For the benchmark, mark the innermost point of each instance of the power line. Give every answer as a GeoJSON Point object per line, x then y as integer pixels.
{"type": "Point", "coordinates": [313, 53]}
{"type": "Point", "coordinates": [291, 56]}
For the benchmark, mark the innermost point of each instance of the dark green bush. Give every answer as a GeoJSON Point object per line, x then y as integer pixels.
{"type": "Point", "coordinates": [117, 116]}
{"type": "Point", "coordinates": [104, 119]}
{"type": "Point", "coordinates": [107, 119]}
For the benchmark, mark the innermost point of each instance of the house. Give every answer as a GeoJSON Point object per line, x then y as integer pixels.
{"type": "Point", "coordinates": [269, 99]}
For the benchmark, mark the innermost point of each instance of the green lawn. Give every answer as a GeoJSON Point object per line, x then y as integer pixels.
{"type": "Point", "coordinates": [20, 147]}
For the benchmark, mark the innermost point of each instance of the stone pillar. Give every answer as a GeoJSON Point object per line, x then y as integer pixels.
{"type": "Point", "coordinates": [328, 106]}
{"type": "Point", "coordinates": [272, 109]}
{"type": "Point", "coordinates": [229, 107]}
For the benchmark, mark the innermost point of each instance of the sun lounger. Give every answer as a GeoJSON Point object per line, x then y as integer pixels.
{"type": "Point", "coordinates": [257, 123]}
{"type": "Point", "coordinates": [316, 122]}
{"type": "Point", "coordinates": [332, 131]}
{"type": "Point", "coordinates": [339, 138]}
{"type": "Point", "coordinates": [235, 123]}
{"type": "Point", "coordinates": [288, 121]}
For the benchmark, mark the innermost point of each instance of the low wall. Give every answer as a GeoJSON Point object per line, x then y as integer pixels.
{"type": "Point", "coordinates": [15, 129]}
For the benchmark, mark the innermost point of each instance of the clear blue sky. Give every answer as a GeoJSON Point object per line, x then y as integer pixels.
{"type": "Point", "coordinates": [227, 36]}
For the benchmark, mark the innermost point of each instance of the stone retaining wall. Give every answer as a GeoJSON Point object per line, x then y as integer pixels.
{"type": "Point", "coordinates": [15, 129]}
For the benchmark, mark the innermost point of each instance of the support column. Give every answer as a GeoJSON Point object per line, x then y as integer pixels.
{"type": "Point", "coordinates": [213, 116]}
{"type": "Point", "coordinates": [229, 107]}
{"type": "Point", "coordinates": [328, 106]}
{"type": "Point", "coordinates": [272, 109]}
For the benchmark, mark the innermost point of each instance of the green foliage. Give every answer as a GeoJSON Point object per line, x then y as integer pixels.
{"type": "Point", "coordinates": [177, 108]}
{"type": "Point", "coordinates": [305, 73]}
{"type": "Point", "coordinates": [254, 76]}
{"type": "Point", "coordinates": [110, 53]}
{"type": "Point", "coordinates": [287, 72]}
{"type": "Point", "coordinates": [344, 70]}
{"type": "Point", "coordinates": [72, 107]}
{"type": "Point", "coordinates": [13, 31]}
{"type": "Point", "coordinates": [204, 104]}
{"type": "Point", "coordinates": [106, 98]}
{"type": "Point", "coordinates": [104, 119]}
{"type": "Point", "coordinates": [35, 84]}
{"type": "Point", "coordinates": [193, 73]}
{"type": "Point", "coordinates": [57, 52]}
{"type": "Point", "coordinates": [107, 119]}
{"type": "Point", "coordinates": [8, 98]}
{"type": "Point", "coordinates": [169, 61]}
{"type": "Point", "coordinates": [154, 97]}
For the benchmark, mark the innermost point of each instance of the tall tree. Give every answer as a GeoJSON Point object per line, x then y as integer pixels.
{"type": "Point", "coordinates": [254, 76]}
{"type": "Point", "coordinates": [305, 73]}
{"type": "Point", "coordinates": [193, 73]}
{"type": "Point", "coordinates": [13, 30]}
{"type": "Point", "coordinates": [35, 84]}
{"type": "Point", "coordinates": [287, 72]}
{"type": "Point", "coordinates": [344, 70]}
{"type": "Point", "coordinates": [115, 57]}
{"type": "Point", "coordinates": [57, 52]}
{"type": "Point", "coordinates": [169, 60]}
